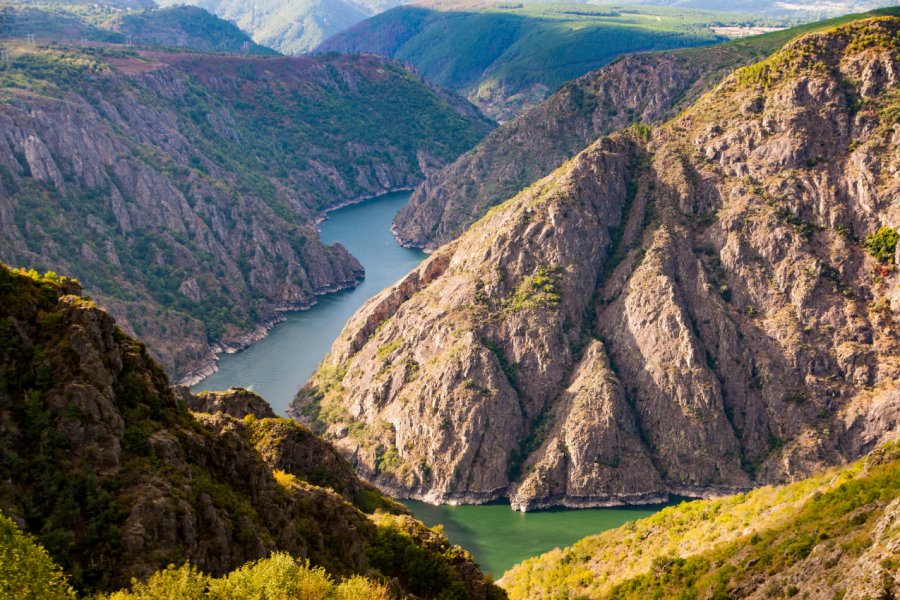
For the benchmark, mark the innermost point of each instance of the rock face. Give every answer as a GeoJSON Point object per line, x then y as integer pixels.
{"type": "Point", "coordinates": [101, 461]}
{"type": "Point", "coordinates": [636, 88]}
{"type": "Point", "coordinates": [236, 402]}
{"type": "Point", "coordinates": [687, 310]}
{"type": "Point", "coordinates": [182, 189]}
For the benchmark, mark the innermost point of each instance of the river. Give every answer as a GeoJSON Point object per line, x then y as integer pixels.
{"type": "Point", "coordinates": [499, 537]}
{"type": "Point", "coordinates": [279, 365]}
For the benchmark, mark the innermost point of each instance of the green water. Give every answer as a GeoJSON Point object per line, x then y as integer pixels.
{"type": "Point", "coordinates": [499, 537]}
{"type": "Point", "coordinates": [278, 366]}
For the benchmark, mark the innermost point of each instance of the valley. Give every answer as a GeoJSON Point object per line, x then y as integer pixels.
{"type": "Point", "coordinates": [182, 188]}
{"type": "Point", "coordinates": [652, 351]}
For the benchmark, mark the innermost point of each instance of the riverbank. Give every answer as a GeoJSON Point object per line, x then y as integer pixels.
{"type": "Point", "coordinates": [259, 333]}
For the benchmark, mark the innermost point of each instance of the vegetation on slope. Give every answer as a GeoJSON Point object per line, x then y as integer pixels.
{"type": "Point", "coordinates": [833, 535]}
{"type": "Point", "coordinates": [180, 26]}
{"type": "Point", "coordinates": [101, 461]}
{"type": "Point", "coordinates": [638, 88]}
{"type": "Point", "coordinates": [181, 188]}
{"type": "Point", "coordinates": [505, 57]}
{"type": "Point", "coordinates": [279, 576]}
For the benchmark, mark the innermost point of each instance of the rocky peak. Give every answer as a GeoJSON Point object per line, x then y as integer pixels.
{"type": "Point", "coordinates": [690, 309]}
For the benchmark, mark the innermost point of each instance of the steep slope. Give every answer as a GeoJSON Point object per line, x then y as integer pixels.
{"type": "Point", "coordinates": [182, 188]}
{"type": "Point", "coordinates": [507, 57]}
{"type": "Point", "coordinates": [100, 460]}
{"type": "Point", "coordinates": [836, 535]}
{"type": "Point", "coordinates": [636, 88]}
{"type": "Point", "coordinates": [686, 310]}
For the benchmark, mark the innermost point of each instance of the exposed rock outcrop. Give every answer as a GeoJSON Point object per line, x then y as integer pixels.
{"type": "Point", "coordinates": [687, 310]}
{"type": "Point", "coordinates": [235, 402]}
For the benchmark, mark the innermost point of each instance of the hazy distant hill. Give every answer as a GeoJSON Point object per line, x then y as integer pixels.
{"type": "Point", "coordinates": [802, 9]}
{"type": "Point", "coordinates": [182, 26]}
{"type": "Point", "coordinates": [292, 26]}
{"type": "Point", "coordinates": [506, 57]}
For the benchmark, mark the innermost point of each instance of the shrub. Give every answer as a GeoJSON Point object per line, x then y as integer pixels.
{"type": "Point", "coordinates": [542, 289]}
{"type": "Point", "coordinates": [883, 244]}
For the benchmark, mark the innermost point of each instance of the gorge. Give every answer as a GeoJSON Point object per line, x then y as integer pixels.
{"type": "Point", "coordinates": [654, 351]}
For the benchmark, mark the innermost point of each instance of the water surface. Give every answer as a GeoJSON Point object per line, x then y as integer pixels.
{"type": "Point", "coordinates": [278, 366]}
{"type": "Point", "coordinates": [499, 537]}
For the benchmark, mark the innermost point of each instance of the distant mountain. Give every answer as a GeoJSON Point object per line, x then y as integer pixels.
{"type": "Point", "coordinates": [291, 26]}
{"type": "Point", "coordinates": [507, 57]}
{"type": "Point", "coordinates": [181, 188]}
{"type": "Point", "coordinates": [182, 27]}
{"type": "Point", "coordinates": [644, 87]}
{"type": "Point", "coordinates": [805, 10]}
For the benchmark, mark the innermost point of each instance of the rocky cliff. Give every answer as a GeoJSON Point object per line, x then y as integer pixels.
{"type": "Point", "coordinates": [693, 309]}
{"type": "Point", "coordinates": [182, 189]}
{"type": "Point", "coordinates": [101, 461]}
{"type": "Point", "coordinates": [643, 88]}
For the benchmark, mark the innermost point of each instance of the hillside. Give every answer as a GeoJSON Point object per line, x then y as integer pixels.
{"type": "Point", "coordinates": [102, 462]}
{"type": "Point", "coordinates": [836, 535]}
{"type": "Point", "coordinates": [507, 57]}
{"type": "Point", "coordinates": [74, 22]}
{"type": "Point", "coordinates": [182, 188]}
{"type": "Point", "coordinates": [642, 88]}
{"type": "Point", "coordinates": [693, 309]}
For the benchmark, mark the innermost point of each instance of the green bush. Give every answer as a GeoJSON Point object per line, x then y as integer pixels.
{"type": "Point", "coordinates": [883, 244]}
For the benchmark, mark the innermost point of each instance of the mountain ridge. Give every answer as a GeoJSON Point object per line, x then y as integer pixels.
{"type": "Point", "coordinates": [507, 57]}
